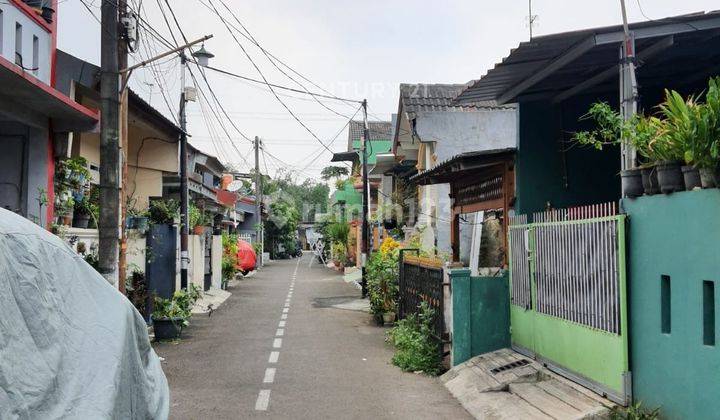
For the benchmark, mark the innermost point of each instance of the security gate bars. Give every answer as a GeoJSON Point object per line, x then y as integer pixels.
{"type": "Point", "coordinates": [573, 257]}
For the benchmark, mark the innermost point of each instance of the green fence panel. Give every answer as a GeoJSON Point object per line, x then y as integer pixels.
{"type": "Point", "coordinates": [481, 318]}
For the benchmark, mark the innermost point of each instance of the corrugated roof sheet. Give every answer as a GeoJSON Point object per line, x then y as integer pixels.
{"type": "Point", "coordinates": [533, 56]}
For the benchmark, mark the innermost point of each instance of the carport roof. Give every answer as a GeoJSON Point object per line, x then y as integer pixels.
{"type": "Point", "coordinates": [561, 65]}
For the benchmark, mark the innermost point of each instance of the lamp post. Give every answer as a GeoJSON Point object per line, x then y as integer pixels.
{"type": "Point", "coordinates": [202, 56]}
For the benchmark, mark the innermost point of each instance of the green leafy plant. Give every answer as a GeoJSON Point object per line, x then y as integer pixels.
{"type": "Point", "coordinates": [198, 217]}
{"type": "Point", "coordinates": [163, 212]}
{"type": "Point", "coordinates": [382, 280]}
{"type": "Point", "coordinates": [229, 257]}
{"type": "Point", "coordinates": [417, 347]}
{"type": "Point", "coordinates": [136, 290]}
{"type": "Point", "coordinates": [178, 308]}
{"type": "Point", "coordinates": [634, 412]}
{"type": "Point", "coordinates": [339, 252]}
{"type": "Point", "coordinates": [609, 126]}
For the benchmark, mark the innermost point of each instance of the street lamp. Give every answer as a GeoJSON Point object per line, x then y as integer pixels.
{"type": "Point", "coordinates": [202, 57]}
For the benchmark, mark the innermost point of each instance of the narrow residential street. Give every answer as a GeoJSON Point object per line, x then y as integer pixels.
{"type": "Point", "coordinates": [321, 362]}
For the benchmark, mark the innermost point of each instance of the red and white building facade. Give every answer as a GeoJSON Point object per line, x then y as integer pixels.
{"type": "Point", "coordinates": [34, 116]}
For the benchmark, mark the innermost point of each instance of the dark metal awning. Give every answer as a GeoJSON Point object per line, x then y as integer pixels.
{"type": "Point", "coordinates": [460, 165]}
{"type": "Point", "coordinates": [28, 100]}
{"type": "Point", "coordinates": [562, 65]}
{"type": "Point", "coordinates": [345, 157]}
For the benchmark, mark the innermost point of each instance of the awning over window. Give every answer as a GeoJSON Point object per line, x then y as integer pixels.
{"type": "Point", "coordinates": [460, 165]}
{"type": "Point", "coordinates": [30, 101]}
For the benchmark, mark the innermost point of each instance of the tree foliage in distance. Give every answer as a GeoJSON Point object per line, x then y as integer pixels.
{"type": "Point", "coordinates": [334, 172]}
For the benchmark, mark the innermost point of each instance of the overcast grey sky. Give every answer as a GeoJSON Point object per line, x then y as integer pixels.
{"type": "Point", "coordinates": [353, 49]}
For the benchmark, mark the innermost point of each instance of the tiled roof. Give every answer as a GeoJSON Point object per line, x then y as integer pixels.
{"type": "Point", "coordinates": [439, 97]}
{"type": "Point", "coordinates": [379, 130]}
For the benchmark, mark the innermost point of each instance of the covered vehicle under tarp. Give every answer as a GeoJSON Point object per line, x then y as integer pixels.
{"type": "Point", "coordinates": [246, 258]}
{"type": "Point", "coordinates": [71, 346]}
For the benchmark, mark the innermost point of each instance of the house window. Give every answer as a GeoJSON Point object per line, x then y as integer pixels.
{"type": "Point", "coordinates": [665, 321]}
{"type": "Point", "coordinates": [36, 55]}
{"type": "Point", "coordinates": [709, 313]}
{"type": "Point", "coordinates": [18, 44]}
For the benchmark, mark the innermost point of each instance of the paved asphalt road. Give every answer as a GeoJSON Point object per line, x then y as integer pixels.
{"type": "Point", "coordinates": [331, 363]}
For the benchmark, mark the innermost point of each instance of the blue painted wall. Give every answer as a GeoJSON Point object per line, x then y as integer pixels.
{"type": "Point", "coordinates": [676, 236]}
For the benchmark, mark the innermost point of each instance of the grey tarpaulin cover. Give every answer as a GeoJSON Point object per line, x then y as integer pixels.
{"type": "Point", "coordinates": [71, 345]}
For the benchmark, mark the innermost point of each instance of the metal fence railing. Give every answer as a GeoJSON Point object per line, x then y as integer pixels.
{"type": "Point", "coordinates": [572, 257]}
{"type": "Point", "coordinates": [421, 281]}
{"type": "Point", "coordinates": [519, 261]}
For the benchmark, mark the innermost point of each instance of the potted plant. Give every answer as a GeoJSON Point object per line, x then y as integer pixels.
{"type": "Point", "coordinates": [680, 144]}
{"type": "Point", "coordinates": [85, 210]}
{"type": "Point", "coordinates": [163, 212]}
{"type": "Point", "coordinates": [339, 253]}
{"type": "Point", "coordinates": [64, 206]}
{"type": "Point", "coordinates": [169, 316]}
{"type": "Point", "coordinates": [198, 220]}
{"type": "Point", "coordinates": [168, 319]}
{"type": "Point", "coordinates": [711, 122]}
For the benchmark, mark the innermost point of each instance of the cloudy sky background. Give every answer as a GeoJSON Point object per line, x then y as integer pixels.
{"type": "Point", "coordinates": [353, 49]}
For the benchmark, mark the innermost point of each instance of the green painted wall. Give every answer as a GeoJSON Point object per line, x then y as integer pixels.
{"type": "Point", "coordinates": [481, 318]}
{"type": "Point", "coordinates": [549, 168]}
{"type": "Point", "coordinates": [677, 235]}
{"type": "Point", "coordinates": [375, 148]}
{"type": "Point", "coordinates": [350, 198]}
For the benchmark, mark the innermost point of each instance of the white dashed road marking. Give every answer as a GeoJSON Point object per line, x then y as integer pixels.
{"type": "Point", "coordinates": [274, 356]}
{"type": "Point", "coordinates": [263, 400]}
{"type": "Point", "coordinates": [280, 332]}
{"type": "Point", "coordinates": [282, 324]}
{"type": "Point", "coordinates": [269, 376]}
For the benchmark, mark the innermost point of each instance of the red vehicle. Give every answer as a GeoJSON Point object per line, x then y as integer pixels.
{"type": "Point", "coordinates": [246, 258]}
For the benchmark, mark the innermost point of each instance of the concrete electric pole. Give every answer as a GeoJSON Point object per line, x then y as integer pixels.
{"type": "Point", "coordinates": [258, 200]}
{"type": "Point", "coordinates": [109, 143]}
{"type": "Point", "coordinates": [628, 88]}
{"type": "Point", "coordinates": [365, 199]}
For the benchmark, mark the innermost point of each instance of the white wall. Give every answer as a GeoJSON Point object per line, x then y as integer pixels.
{"type": "Point", "coordinates": [12, 15]}
{"type": "Point", "coordinates": [217, 251]}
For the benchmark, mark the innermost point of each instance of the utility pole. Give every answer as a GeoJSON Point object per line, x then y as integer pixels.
{"type": "Point", "coordinates": [124, 145]}
{"type": "Point", "coordinates": [628, 88]}
{"type": "Point", "coordinates": [531, 18]}
{"type": "Point", "coordinates": [109, 143]}
{"type": "Point", "coordinates": [258, 200]}
{"type": "Point", "coordinates": [184, 203]}
{"type": "Point", "coordinates": [366, 196]}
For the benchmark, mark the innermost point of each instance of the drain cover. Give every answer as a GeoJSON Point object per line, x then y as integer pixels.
{"type": "Point", "coordinates": [513, 365]}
